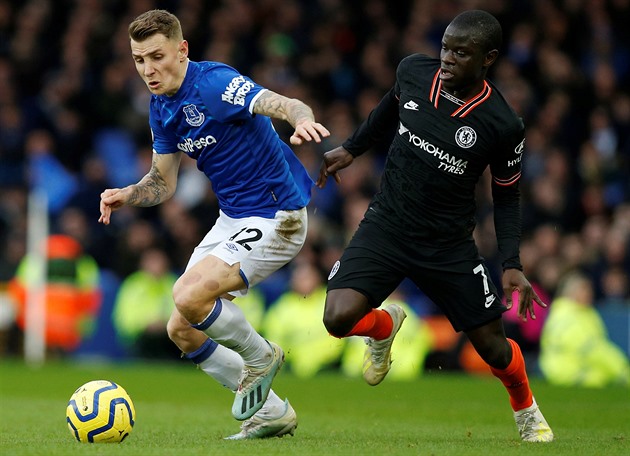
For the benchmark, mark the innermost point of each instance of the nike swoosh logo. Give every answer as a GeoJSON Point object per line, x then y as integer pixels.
{"type": "Point", "coordinates": [411, 105]}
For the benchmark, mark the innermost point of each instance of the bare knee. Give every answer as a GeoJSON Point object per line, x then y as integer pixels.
{"type": "Point", "coordinates": [196, 291]}
{"type": "Point", "coordinates": [191, 304]}
{"type": "Point", "coordinates": [343, 309]}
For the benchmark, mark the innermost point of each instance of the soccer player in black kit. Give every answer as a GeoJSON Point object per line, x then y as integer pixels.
{"type": "Point", "coordinates": [450, 124]}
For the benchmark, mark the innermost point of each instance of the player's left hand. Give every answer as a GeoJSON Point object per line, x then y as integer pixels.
{"type": "Point", "coordinates": [515, 280]}
{"type": "Point", "coordinates": [308, 130]}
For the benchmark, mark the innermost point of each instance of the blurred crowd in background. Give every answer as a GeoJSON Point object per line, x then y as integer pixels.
{"type": "Point", "coordinates": [74, 121]}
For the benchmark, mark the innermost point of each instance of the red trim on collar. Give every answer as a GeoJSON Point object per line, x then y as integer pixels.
{"type": "Point", "coordinates": [466, 108]}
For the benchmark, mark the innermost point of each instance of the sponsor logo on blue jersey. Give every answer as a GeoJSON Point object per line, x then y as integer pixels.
{"type": "Point", "coordinates": [190, 145]}
{"type": "Point", "coordinates": [236, 91]}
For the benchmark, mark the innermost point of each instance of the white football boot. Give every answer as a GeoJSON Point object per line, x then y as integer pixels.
{"type": "Point", "coordinates": [260, 427]}
{"type": "Point", "coordinates": [378, 359]}
{"type": "Point", "coordinates": [532, 424]}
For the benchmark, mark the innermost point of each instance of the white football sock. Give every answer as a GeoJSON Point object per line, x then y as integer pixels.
{"type": "Point", "coordinates": [227, 325]}
{"type": "Point", "coordinates": [220, 363]}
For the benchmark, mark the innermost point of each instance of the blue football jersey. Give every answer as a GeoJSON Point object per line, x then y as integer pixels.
{"type": "Point", "coordinates": [252, 171]}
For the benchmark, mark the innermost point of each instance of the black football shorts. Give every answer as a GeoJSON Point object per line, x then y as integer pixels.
{"type": "Point", "coordinates": [452, 275]}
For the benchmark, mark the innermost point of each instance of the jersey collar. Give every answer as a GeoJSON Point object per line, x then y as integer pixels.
{"type": "Point", "coordinates": [466, 107]}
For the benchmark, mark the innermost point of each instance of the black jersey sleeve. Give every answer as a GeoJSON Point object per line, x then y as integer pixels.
{"type": "Point", "coordinates": [508, 224]}
{"type": "Point", "coordinates": [506, 173]}
{"type": "Point", "coordinates": [377, 126]}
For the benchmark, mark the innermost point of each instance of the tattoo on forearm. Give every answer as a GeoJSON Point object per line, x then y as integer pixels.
{"type": "Point", "coordinates": [150, 191]}
{"type": "Point", "coordinates": [280, 107]}
{"type": "Point", "coordinates": [298, 111]}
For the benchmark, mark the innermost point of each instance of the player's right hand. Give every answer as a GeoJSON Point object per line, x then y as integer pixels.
{"type": "Point", "coordinates": [334, 160]}
{"type": "Point", "coordinates": [111, 199]}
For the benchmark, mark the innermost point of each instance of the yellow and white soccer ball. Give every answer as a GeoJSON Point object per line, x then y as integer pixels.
{"type": "Point", "coordinates": [100, 411]}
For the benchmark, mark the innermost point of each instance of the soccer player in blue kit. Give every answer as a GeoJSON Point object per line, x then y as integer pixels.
{"type": "Point", "coordinates": [221, 119]}
{"type": "Point", "coordinates": [450, 125]}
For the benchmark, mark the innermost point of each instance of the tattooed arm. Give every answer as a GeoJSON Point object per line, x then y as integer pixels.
{"type": "Point", "coordinates": [160, 182]}
{"type": "Point", "coordinates": [156, 186]}
{"type": "Point", "coordinates": [298, 114]}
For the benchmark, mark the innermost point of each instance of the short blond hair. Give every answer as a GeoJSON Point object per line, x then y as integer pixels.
{"type": "Point", "coordinates": [155, 22]}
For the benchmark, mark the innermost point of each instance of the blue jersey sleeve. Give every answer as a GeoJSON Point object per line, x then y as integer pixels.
{"type": "Point", "coordinates": [228, 94]}
{"type": "Point", "coordinates": [163, 141]}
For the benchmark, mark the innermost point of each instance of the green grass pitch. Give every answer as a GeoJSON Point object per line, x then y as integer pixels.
{"type": "Point", "coordinates": [182, 412]}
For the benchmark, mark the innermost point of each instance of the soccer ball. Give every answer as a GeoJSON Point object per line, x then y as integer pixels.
{"type": "Point", "coordinates": [100, 412]}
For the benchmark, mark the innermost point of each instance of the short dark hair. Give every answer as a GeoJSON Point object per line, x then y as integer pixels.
{"type": "Point", "coordinates": [483, 27]}
{"type": "Point", "coordinates": [153, 22]}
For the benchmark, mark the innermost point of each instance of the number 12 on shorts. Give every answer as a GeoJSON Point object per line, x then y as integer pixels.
{"type": "Point", "coordinates": [250, 235]}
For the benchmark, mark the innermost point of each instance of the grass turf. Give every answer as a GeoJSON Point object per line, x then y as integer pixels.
{"type": "Point", "coordinates": [182, 412]}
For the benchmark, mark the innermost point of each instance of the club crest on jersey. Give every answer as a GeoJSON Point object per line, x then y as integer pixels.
{"type": "Point", "coordinates": [465, 137]}
{"type": "Point", "coordinates": [193, 116]}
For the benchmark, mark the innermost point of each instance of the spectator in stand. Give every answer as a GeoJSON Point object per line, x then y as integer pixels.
{"type": "Point", "coordinates": [143, 305]}
{"type": "Point", "coordinates": [294, 321]}
{"type": "Point", "coordinates": [575, 349]}
{"type": "Point", "coordinates": [615, 285]}
{"type": "Point", "coordinates": [47, 173]}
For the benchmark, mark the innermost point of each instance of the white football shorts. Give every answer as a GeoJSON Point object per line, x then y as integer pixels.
{"type": "Point", "coordinates": [260, 245]}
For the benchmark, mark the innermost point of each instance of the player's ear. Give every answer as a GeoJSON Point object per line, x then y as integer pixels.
{"type": "Point", "coordinates": [183, 50]}
{"type": "Point", "coordinates": [490, 58]}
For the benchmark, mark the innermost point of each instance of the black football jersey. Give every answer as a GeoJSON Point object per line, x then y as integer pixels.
{"type": "Point", "coordinates": [441, 147]}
